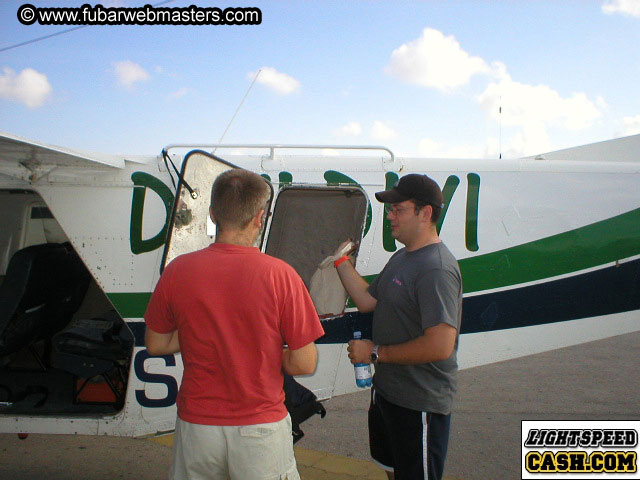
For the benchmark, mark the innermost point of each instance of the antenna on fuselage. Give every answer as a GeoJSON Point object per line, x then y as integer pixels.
{"type": "Point", "coordinates": [238, 109]}
{"type": "Point", "coordinates": [500, 122]}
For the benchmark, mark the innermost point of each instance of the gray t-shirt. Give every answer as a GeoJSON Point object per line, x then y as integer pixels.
{"type": "Point", "coordinates": [417, 290]}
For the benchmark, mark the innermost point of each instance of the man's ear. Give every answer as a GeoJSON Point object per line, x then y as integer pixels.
{"type": "Point", "coordinates": [211, 215]}
{"type": "Point", "coordinates": [258, 219]}
{"type": "Point", "coordinates": [427, 213]}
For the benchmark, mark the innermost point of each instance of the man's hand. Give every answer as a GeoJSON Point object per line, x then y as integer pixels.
{"type": "Point", "coordinates": [346, 248]}
{"type": "Point", "coordinates": [360, 351]}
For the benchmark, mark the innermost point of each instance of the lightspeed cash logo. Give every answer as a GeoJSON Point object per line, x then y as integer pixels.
{"type": "Point", "coordinates": [580, 449]}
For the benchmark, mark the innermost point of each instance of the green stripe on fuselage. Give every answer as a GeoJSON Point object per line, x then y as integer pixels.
{"type": "Point", "coordinates": [586, 247]}
{"type": "Point", "coordinates": [130, 305]}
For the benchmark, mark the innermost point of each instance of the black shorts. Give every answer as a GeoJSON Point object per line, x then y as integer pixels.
{"type": "Point", "coordinates": [410, 443]}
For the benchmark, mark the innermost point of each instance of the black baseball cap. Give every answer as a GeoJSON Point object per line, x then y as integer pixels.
{"type": "Point", "coordinates": [413, 187]}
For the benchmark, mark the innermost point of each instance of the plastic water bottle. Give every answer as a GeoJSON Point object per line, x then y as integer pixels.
{"type": "Point", "coordinates": [363, 370]}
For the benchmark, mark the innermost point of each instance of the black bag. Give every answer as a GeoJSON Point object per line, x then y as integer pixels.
{"type": "Point", "coordinates": [301, 403]}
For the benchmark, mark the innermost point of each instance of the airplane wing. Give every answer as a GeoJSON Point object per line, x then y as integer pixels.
{"type": "Point", "coordinates": [29, 160]}
{"type": "Point", "coordinates": [624, 149]}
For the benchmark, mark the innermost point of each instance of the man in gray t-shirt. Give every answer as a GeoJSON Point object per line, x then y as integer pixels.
{"type": "Point", "coordinates": [417, 305]}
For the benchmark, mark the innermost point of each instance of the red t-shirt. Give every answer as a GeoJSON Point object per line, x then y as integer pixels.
{"type": "Point", "coordinates": [234, 308]}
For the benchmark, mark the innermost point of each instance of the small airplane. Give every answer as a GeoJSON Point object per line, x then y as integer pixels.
{"type": "Point", "coordinates": [548, 246]}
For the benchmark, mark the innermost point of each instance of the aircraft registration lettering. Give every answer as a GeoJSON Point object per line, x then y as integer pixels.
{"type": "Point", "coordinates": [285, 177]}
{"type": "Point", "coordinates": [332, 177]}
{"type": "Point", "coordinates": [144, 181]}
{"type": "Point", "coordinates": [471, 223]}
{"type": "Point", "coordinates": [388, 242]}
{"type": "Point", "coordinates": [450, 187]}
{"type": "Point", "coordinates": [168, 380]}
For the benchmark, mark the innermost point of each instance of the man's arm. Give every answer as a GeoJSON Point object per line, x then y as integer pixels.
{"type": "Point", "coordinates": [436, 343]}
{"type": "Point", "coordinates": [301, 361]}
{"type": "Point", "coordinates": [356, 287]}
{"type": "Point", "coordinates": [161, 343]}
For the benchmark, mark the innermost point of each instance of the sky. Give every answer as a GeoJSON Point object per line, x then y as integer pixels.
{"type": "Point", "coordinates": [432, 78]}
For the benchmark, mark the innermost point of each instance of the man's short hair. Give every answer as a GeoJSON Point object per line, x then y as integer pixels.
{"type": "Point", "coordinates": [237, 196]}
{"type": "Point", "coordinates": [435, 211]}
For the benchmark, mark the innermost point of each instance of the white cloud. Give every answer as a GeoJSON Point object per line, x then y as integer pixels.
{"type": "Point", "coordinates": [351, 129]}
{"type": "Point", "coordinates": [29, 87]}
{"type": "Point", "coordinates": [531, 139]}
{"type": "Point", "coordinates": [429, 147]}
{"type": "Point", "coordinates": [129, 73]}
{"type": "Point", "coordinates": [181, 92]}
{"type": "Point", "coordinates": [631, 126]}
{"type": "Point", "coordinates": [346, 92]}
{"type": "Point", "coordinates": [436, 61]}
{"type": "Point", "coordinates": [534, 109]}
{"type": "Point", "coordinates": [601, 103]}
{"type": "Point", "coordinates": [528, 111]}
{"type": "Point", "coordinates": [625, 7]}
{"type": "Point", "coordinates": [381, 131]}
{"type": "Point", "coordinates": [279, 82]}
{"type": "Point", "coordinates": [522, 104]}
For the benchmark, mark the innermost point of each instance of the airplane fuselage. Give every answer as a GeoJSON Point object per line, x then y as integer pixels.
{"type": "Point", "coordinates": [549, 252]}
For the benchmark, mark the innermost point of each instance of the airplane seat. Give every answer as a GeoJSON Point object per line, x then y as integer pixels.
{"type": "Point", "coordinates": [43, 287]}
{"type": "Point", "coordinates": [99, 347]}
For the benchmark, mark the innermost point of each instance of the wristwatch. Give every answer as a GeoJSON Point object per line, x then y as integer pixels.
{"type": "Point", "coordinates": [374, 355]}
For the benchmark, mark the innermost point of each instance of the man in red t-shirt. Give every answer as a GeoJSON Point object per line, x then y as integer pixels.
{"type": "Point", "coordinates": [229, 309]}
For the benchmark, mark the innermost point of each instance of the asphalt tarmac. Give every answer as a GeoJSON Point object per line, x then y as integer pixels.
{"type": "Point", "coordinates": [593, 381]}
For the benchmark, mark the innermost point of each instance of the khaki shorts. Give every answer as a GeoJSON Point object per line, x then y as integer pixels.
{"type": "Point", "coordinates": [249, 452]}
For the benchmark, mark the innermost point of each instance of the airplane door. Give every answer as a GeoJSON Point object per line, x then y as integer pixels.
{"type": "Point", "coordinates": [191, 228]}
{"type": "Point", "coordinates": [308, 224]}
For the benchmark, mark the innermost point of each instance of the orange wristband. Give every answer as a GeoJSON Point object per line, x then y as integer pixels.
{"type": "Point", "coordinates": [340, 260]}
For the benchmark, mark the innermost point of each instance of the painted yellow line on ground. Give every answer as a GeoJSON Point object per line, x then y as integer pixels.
{"type": "Point", "coordinates": [315, 465]}
{"type": "Point", "coordinates": [166, 440]}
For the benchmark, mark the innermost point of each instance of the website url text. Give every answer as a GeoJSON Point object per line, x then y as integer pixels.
{"type": "Point", "coordinates": [146, 15]}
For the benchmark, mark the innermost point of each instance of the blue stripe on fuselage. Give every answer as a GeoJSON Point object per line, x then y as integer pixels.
{"type": "Point", "coordinates": [606, 291]}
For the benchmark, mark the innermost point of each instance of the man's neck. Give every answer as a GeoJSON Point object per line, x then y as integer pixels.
{"type": "Point", "coordinates": [241, 238]}
{"type": "Point", "coordinates": [427, 238]}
